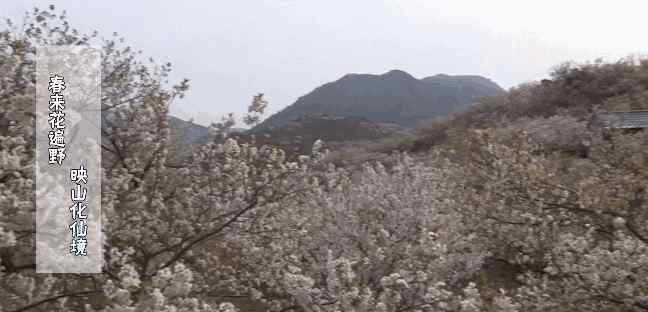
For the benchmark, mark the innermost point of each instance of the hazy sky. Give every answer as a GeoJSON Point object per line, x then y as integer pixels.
{"type": "Point", "coordinates": [233, 49]}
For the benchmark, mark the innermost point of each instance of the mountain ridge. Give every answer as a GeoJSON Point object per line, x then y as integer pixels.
{"type": "Point", "coordinates": [394, 97]}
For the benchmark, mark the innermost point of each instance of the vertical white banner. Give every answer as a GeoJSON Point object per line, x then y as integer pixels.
{"type": "Point", "coordinates": [68, 160]}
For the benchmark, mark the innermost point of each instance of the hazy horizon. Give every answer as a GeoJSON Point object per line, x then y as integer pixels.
{"type": "Point", "coordinates": [285, 49]}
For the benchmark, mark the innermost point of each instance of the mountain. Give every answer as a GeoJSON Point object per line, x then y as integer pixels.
{"type": "Point", "coordinates": [394, 96]}
{"type": "Point", "coordinates": [357, 107]}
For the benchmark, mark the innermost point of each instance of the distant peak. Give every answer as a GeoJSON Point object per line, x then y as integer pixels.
{"type": "Point", "coordinates": [446, 76]}
{"type": "Point", "coordinates": [349, 75]}
{"type": "Point", "coordinates": [397, 73]}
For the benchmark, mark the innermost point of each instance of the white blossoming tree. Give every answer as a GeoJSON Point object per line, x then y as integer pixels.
{"type": "Point", "coordinates": [237, 223]}
{"type": "Point", "coordinates": [378, 240]}
{"type": "Point", "coordinates": [159, 215]}
{"type": "Point", "coordinates": [574, 230]}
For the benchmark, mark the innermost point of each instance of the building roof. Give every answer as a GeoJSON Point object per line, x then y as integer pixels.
{"type": "Point", "coordinates": [622, 120]}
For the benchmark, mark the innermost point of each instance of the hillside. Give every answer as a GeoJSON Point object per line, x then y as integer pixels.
{"type": "Point", "coordinates": [570, 98]}
{"type": "Point", "coordinates": [394, 96]}
{"type": "Point", "coordinates": [297, 136]}
{"type": "Point", "coordinates": [192, 133]}
{"type": "Point", "coordinates": [187, 132]}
